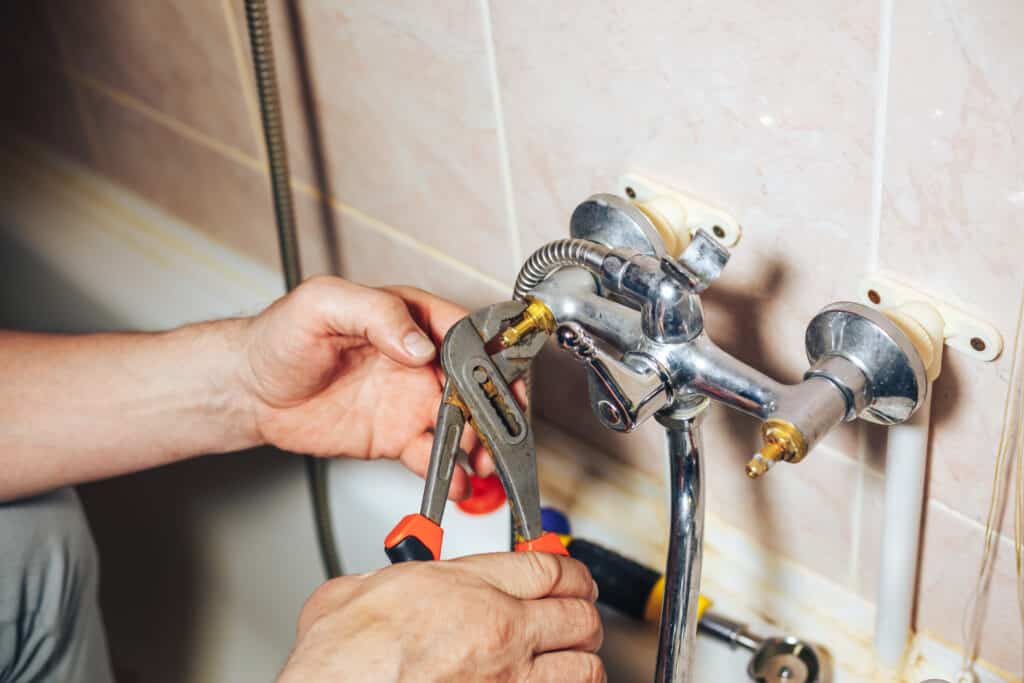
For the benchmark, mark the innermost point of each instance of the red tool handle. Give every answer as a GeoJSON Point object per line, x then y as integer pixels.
{"type": "Point", "coordinates": [550, 542]}
{"type": "Point", "coordinates": [414, 538]}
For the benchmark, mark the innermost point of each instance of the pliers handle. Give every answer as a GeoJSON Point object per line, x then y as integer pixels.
{"type": "Point", "coordinates": [419, 536]}
{"type": "Point", "coordinates": [477, 390]}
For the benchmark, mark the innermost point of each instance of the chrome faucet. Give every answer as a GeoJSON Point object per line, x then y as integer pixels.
{"type": "Point", "coordinates": [632, 315]}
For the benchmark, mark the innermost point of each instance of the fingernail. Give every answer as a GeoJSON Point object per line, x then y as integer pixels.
{"type": "Point", "coordinates": [595, 592]}
{"type": "Point", "coordinates": [417, 344]}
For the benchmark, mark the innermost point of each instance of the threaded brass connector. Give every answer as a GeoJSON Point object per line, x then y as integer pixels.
{"type": "Point", "coordinates": [782, 441]}
{"type": "Point", "coordinates": [537, 316]}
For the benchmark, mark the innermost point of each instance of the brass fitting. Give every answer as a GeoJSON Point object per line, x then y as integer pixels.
{"type": "Point", "coordinates": [782, 441]}
{"type": "Point", "coordinates": [537, 316]}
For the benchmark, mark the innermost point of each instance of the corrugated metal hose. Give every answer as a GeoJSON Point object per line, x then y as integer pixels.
{"type": "Point", "coordinates": [284, 211]}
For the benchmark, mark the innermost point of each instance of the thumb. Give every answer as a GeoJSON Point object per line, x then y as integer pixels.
{"type": "Point", "coordinates": [383, 319]}
{"type": "Point", "coordinates": [531, 576]}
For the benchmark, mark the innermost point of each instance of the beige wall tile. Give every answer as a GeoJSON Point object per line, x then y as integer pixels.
{"type": "Point", "coordinates": [871, 515]}
{"type": "Point", "coordinates": [967, 416]}
{"type": "Point", "coordinates": [764, 109]}
{"type": "Point", "coordinates": [950, 560]}
{"type": "Point", "coordinates": [803, 512]}
{"type": "Point", "coordinates": [759, 107]}
{"type": "Point", "coordinates": [231, 202]}
{"type": "Point", "coordinates": [953, 220]}
{"type": "Point", "coordinates": [372, 257]}
{"type": "Point", "coordinates": [409, 127]}
{"type": "Point", "coordinates": [228, 201]}
{"type": "Point", "coordinates": [174, 55]}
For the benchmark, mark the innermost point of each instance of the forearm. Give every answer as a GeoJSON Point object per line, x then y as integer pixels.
{"type": "Point", "coordinates": [79, 408]}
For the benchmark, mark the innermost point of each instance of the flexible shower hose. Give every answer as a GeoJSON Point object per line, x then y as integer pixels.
{"type": "Point", "coordinates": [284, 212]}
{"type": "Point", "coordinates": [554, 255]}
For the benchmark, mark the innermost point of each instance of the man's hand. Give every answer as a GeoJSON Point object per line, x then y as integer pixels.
{"type": "Point", "coordinates": [504, 617]}
{"type": "Point", "coordinates": [331, 369]}
{"type": "Point", "coordinates": [335, 368]}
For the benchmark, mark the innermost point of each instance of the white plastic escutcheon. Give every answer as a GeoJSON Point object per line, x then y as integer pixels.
{"type": "Point", "coordinates": [962, 331]}
{"type": "Point", "coordinates": [684, 213]}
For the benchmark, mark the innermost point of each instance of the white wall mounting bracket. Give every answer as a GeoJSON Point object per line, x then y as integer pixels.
{"type": "Point", "coordinates": [963, 331]}
{"type": "Point", "coordinates": [680, 208]}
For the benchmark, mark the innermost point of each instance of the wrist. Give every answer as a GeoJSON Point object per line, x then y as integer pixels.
{"type": "Point", "coordinates": [247, 406]}
{"type": "Point", "coordinates": [227, 394]}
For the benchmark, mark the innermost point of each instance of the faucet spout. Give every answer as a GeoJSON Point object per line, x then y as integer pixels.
{"type": "Point", "coordinates": [678, 629]}
{"type": "Point", "coordinates": [702, 367]}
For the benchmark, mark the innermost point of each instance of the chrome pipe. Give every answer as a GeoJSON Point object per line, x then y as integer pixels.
{"type": "Point", "coordinates": [678, 630]}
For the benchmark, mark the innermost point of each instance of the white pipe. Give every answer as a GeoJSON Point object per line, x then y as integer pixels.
{"type": "Point", "coordinates": [905, 468]}
{"type": "Point", "coordinates": [906, 463]}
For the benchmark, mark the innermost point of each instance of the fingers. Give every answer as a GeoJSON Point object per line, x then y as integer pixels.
{"type": "Point", "coordinates": [567, 667]}
{"type": "Point", "coordinates": [469, 441]}
{"type": "Point", "coordinates": [481, 461]}
{"type": "Point", "coordinates": [564, 624]}
{"type": "Point", "coordinates": [434, 313]}
{"type": "Point", "coordinates": [416, 457]}
{"type": "Point", "coordinates": [531, 576]}
{"type": "Point", "coordinates": [379, 316]}
{"type": "Point", "coordinates": [519, 391]}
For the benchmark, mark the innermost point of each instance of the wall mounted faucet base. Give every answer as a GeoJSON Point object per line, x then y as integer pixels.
{"type": "Point", "coordinates": [963, 331]}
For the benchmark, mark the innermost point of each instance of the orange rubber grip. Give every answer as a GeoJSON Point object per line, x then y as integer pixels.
{"type": "Point", "coordinates": [550, 542]}
{"type": "Point", "coordinates": [418, 527]}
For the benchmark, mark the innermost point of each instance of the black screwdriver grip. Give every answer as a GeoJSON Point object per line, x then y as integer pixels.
{"type": "Point", "coordinates": [409, 549]}
{"type": "Point", "coordinates": [623, 584]}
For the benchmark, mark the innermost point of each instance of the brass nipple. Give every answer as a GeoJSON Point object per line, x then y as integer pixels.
{"type": "Point", "coordinates": [763, 460]}
{"type": "Point", "coordinates": [782, 441]}
{"type": "Point", "coordinates": [537, 316]}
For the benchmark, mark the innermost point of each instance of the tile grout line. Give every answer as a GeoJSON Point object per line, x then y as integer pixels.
{"type": "Point", "coordinates": [874, 239]}
{"type": "Point", "coordinates": [242, 158]}
{"type": "Point", "coordinates": [74, 180]}
{"type": "Point", "coordinates": [872, 472]}
{"type": "Point", "coordinates": [397, 235]}
{"type": "Point", "coordinates": [244, 75]}
{"type": "Point", "coordinates": [504, 158]}
{"type": "Point", "coordinates": [165, 120]}
{"type": "Point", "coordinates": [978, 526]}
{"type": "Point", "coordinates": [881, 131]}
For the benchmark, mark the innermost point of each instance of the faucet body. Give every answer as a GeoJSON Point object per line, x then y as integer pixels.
{"type": "Point", "coordinates": [635, 375]}
{"type": "Point", "coordinates": [632, 316]}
